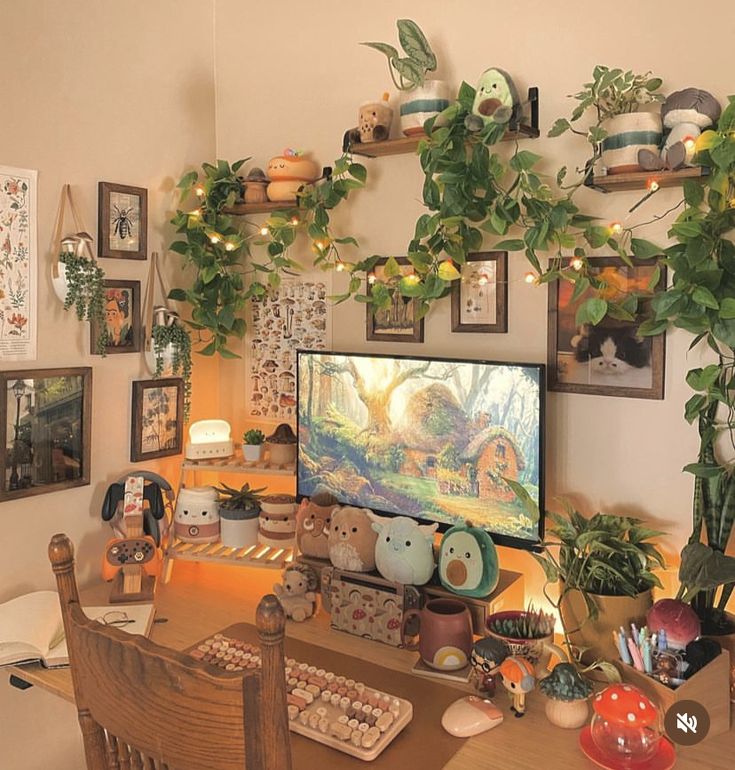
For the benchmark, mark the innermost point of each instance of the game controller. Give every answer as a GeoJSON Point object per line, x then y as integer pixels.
{"type": "Point", "coordinates": [131, 551]}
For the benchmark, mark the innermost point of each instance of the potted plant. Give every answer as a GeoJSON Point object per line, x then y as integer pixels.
{"type": "Point", "coordinates": [528, 633]}
{"type": "Point", "coordinates": [80, 278]}
{"type": "Point", "coordinates": [252, 445]}
{"type": "Point", "coordinates": [621, 128]}
{"type": "Point", "coordinates": [239, 510]}
{"type": "Point", "coordinates": [169, 351]}
{"type": "Point", "coordinates": [604, 566]}
{"type": "Point", "coordinates": [567, 693]}
{"type": "Point", "coordinates": [282, 445]}
{"type": "Point", "coordinates": [421, 98]}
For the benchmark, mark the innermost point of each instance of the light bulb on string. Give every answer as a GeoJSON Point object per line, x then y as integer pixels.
{"type": "Point", "coordinates": [295, 221]}
{"type": "Point", "coordinates": [372, 278]}
{"type": "Point", "coordinates": [340, 267]}
{"type": "Point", "coordinates": [195, 213]}
{"type": "Point", "coordinates": [483, 280]}
{"type": "Point", "coordinates": [616, 228]}
{"type": "Point", "coordinates": [577, 264]}
{"type": "Point", "coordinates": [530, 277]}
{"type": "Point", "coordinates": [653, 187]}
{"type": "Point", "coordinates": [412, 278]}
{"type": "Point", "coordinates": [199, 190]}
{"type": "Point", "coordinates": [264, 230]}
{"type": "Point", "coordinates": [214, 239]}
{"type": "Point", "coordinates": [229, 246]}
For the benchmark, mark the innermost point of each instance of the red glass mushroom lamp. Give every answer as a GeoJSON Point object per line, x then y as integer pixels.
{"type": "Point", "coordinates": [625, 732]}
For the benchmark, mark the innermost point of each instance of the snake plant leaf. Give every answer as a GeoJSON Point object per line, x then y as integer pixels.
{"type": "Point", "coordinates": [415, 44]}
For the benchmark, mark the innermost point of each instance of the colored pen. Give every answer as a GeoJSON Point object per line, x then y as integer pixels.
{"type": "Point", "coordinates": [647, 662]}
{"type": "Point", "coordinates": [624, 654]}
{"type": "Point", "coordinates": [635, 654]}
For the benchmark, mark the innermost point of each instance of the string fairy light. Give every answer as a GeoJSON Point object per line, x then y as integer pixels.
{"type": "Point", "coordinates": [616, 228]}
{"type": "Point", "coordinates": [295, 221]}
{"type": "Point", "coordinates": [199, 190]}
{"type": "Point", "coordinates": [372, 278]}
{"type": "Point", "coordinates": [264, 230]}
{"type": "Point", "coordinates": [576, 264]}
{"type": "Point", "coordinates": [214, 238]}
{"type": "Point", "coordinates": [195, 213]}
{"type": "Point", "coordinates": [229, 246]}
{"type": "Point", "coordinates": [530, 277]}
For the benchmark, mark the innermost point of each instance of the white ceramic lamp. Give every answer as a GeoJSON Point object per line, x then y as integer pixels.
{"type": "Point", "coordinates": [209, 439]}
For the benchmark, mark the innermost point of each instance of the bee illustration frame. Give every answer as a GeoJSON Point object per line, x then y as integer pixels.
{"type": "Point", "coordinates": [569, 373]}
{"type": "Point", "coordinates": [492, 292]}
{"type": "Point", "coordinates": [122, 224]}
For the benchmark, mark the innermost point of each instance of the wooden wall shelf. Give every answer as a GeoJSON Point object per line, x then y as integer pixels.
{"type": "Point", "coordinates": [252, 556]}
{"type": "Point", "coordinates": [243, 209]}
{"type": "Point", "coordinates": [639, 180]}
{"type": "Point", "coordinates": [235, 465]}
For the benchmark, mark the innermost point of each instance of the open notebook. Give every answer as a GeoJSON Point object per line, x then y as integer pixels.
{"type": "Point", "coordinates": [31, 628]}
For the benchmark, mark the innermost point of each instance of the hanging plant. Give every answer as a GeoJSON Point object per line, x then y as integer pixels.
{"type": "Point", "coordinates": [178, 338]}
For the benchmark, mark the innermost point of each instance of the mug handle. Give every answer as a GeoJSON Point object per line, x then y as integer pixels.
{"type": "Point", "coordinates": [406, 617]}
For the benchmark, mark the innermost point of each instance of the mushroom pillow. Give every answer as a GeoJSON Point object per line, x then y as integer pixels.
{"type": "Point", "coordinates": [404, 552]}
{"type": "Point", "coordinates": [468, 561]}
{"type": "Point", "coordinates": [352, 539]}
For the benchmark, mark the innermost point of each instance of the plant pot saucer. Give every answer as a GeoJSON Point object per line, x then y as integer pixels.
{"type": "Point", "coordinates": [663, 759]}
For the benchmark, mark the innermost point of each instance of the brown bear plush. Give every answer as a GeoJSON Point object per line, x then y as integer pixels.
{"type": "Point", "coordinates": [312, 524]}
{"type": "Point", "coordinates": [352, 540]}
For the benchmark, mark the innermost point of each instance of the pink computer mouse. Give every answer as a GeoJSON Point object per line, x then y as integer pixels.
{"type": "Point", "coordinates": [470, 716]}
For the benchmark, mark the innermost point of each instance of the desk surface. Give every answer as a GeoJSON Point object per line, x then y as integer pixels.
{"type": "Point", "coordinates": [204, 598]}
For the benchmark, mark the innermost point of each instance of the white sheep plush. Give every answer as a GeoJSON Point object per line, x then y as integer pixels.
{"type": "Point", "coordinates": [404, 549]}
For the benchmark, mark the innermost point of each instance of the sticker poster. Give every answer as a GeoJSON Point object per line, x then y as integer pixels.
{"type": "Point", "coordinates": [295, 316]}
{"type": "Point", "coordinates": [18, 264]}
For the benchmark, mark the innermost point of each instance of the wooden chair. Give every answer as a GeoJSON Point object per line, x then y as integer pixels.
{"type": "Point", "coordinates": [145, 707]}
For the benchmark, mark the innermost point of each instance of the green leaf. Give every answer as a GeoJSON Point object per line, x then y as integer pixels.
{"type": "Point", "coordinates": [652, 327]}
{"type": "Point", "coordinates": [643, 249]}
{"type": "Point", "coordinates": [693, 193]}
{"type": "Point", "coordinates": [687, 229]}
{"type": "Point", "coordinates": [384, 48]}
{"type": "Point", "coordinates": [358, 171]}
{"type": "Point", "coordinates": [414, 43]}
{"type": "Point", "coordinates": [560, 126]}
{"type": "Point", "coordinates": [703, 296]}
{"type": "Point", "coordinates": [703, 470]}
{"type": "Point", "coordinates": [524, 160]}
{"type": "Point", "coordinates": [595, 310]}
{"type": "Point", "coordinates": [447, 271]}
{"type": "Point", "coordinates": [177, 294]}
{"type": "Point", "coordinates": [392, 269]}
{"type": "Point", "coordinates": [727, 308]}
{"type": "Point", "coordinates": [409, 70]}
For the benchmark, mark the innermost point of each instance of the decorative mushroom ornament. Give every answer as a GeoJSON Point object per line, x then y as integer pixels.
{"type": "Point", "coordinates": [288, 173]}
{"type": "Point", "coordinates": [677, 619]}
{"type": "Point", "coordinates": [468, 561]}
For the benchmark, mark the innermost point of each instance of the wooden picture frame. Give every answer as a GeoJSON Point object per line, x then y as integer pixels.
{"type": "Point", "coordinates": [403, 311]}
{"type": "Point", "coordinates": [122, 319]}
{"type": "Point", "coordinates": [122, 224]}
{"type": "Point", "coordinates": [482, 291]}
{"type": "Point", "coordinates": [155, 433]}
{"type": "Point", "coordinates": [577, 360]}
{"type": "Point", "coordinates": [50, 446]}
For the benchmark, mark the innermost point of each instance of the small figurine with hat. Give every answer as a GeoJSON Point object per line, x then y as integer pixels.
{"type": "Point", "coordinates": [518, 679]}
{"type": "Point", "coordinates": [487, 655]}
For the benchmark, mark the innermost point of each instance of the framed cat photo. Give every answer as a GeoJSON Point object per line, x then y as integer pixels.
{"type": "Point", "coordinates": [608, 359]}
{"type": "Point", "coordinates": [399, 322]}
{"type": "Point", "coordinates": [480, 296]}
{"type": "Point", "coordinates": [122, 221]}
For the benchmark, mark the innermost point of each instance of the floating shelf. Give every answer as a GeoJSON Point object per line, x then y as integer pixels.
{"type": "Point", "coordinates": [233, 465]}
{"type": "Point", "coordinates": [252, 556]}
{"type": "Point", "coordinates": [639, 180]}
{"type": "Point", "coordinates": [242, 209]}
{"type": "Point", "coordinates": [409, 144]}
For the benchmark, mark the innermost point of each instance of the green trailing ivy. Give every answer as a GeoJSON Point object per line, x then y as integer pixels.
{"type": "Point", "coordinates": [86, 291]}
{"type": "Point", "coordinates": [180, 341]}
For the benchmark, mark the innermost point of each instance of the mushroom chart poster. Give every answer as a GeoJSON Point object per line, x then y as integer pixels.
{"type": "Point", "coordinates": [293, 317]}
{"type": "Point", "coordinates": [18, 264]}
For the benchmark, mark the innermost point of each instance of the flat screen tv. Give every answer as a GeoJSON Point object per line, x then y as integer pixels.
{"type": "Point", "coordinates": [431, 438]}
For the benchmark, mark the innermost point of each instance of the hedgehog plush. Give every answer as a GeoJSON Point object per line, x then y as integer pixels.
{"type": "Point", "coordinates": [496, 100]}
{"type": "Point", "coordinates": [352, 539]}
{"type": "Point", "coordinates": [404, 552]}
{"type": "Point", "coordinates": [468, 561]}
{"type": "Point", "coordinates": [312, 524]}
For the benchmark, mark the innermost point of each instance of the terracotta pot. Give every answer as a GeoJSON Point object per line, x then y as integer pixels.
{"type": "Point", "coordinates": [282, 454]}
{"type": "Point", "coordinates": [614, 611]}
{"type": "Point", "coordinates": [445, 634]}
{"type": "Point", "coordinates": [626, 135]}
{"type": "Point", "coordinates": [569, 714]}
{"type": "Point", "coordinates": [422, 103]}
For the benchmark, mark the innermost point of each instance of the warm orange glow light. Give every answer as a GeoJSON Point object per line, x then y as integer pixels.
{"type": "Point", "coordinates": [616, 228]}
{"type": "Point", "coordinates": [372, 278]}
{"type": "Point", "coordinates": [199, 191]}
{"type": "Point", "coordinates": [295, 221]}
{"type": "Point", "coordinates": [264, 230]}
{"type": "Point", "coordinates": [577, 263]}
{"type": "Point", "coordinates": [530, 277]}
{"type": "Point", "coordinates": [652, 185]}
{"type": "Point", "coordinates": [214, 238]}
{"type": "Point", "coordinates": [229, 246]}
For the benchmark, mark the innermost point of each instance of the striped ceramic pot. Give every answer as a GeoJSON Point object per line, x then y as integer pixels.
{"type": "Point", "coordinates": [422, 103]}
{"type": "Point", "coordinates": [626, 135]}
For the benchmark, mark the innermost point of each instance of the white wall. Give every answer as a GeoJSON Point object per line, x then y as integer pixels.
{"type": "Point", "coordinates": [92, 91]}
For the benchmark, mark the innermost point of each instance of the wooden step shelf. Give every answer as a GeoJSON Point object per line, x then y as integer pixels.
{"type": "Point", "coordinates": [236, 465]}
{"type": "Point", "coordinates": [640, 180]}
{"type": "Point", "coordinates": [243, 209]}
{"type": "Point", "coordinates": [252, 556]}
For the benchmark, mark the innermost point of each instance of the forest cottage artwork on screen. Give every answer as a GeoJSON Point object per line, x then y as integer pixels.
{"type": "Point", "coordinates": [434, 439]}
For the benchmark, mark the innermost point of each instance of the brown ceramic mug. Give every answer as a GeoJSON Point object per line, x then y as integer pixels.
{"type": "Point", "coordinates": [445, 634]}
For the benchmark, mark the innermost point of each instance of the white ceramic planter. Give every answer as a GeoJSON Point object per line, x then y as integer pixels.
{"type": "Point", "coordinates": [167, 355]}
{"type": "Point", "coordinates": [239, 528]}
{"type": "Point", "coordinates": [422, 103]}
{"type": "Point", "coordinates": [626, 135]}
{"type": "Point", "coordinates": [252, 453]}
{"type": "Point", "coordinates": [567, 714]}
{"type": "Point", "coordinates": [61, 287]}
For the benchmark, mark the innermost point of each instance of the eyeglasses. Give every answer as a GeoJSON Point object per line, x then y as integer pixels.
{"type": "Point", "coordinates": [116, 618]}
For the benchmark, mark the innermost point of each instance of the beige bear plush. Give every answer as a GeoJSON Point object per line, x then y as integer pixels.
{"type": "Point", "coordinates": [297, 592]}
{"type": "Point", "coordinates": [352, 539]}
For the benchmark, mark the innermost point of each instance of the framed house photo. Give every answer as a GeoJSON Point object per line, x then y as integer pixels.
{"type": "Point", "coordinates": [158, 418]}
{"type": "Point", "coordinates": [608, 359]}
{"type": "Point", "coordinates": [45, 430]}
{"type": "Point", "coordinates": [122, 221]}
{"type": "Point", "coordinates": [120, 331]}
{"type": "Point", "coordinates": [399, 322]}
{"type": "Point", "coordinates": [480, 296]}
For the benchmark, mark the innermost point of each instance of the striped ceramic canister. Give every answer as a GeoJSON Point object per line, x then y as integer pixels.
{"type": "Point", "coordinates": [626, 135]}
{"type": "Point", "coordinates": [422, 103]}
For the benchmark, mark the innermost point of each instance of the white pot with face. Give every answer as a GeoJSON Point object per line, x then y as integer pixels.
{"type": "Point", "coordinates": [422, 103]}
{"type": "Point", "coordinates": [196, 518]}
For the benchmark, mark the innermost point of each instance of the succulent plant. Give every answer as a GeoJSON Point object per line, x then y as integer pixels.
{"type": "Point", "coordinates": [254, 437]}
{"type": "Point", "coordinates": [239, 499]}
{"type": "Point", "coordinates": [565, 683]}
{"type": "Point", "coordinates": [529, 624]}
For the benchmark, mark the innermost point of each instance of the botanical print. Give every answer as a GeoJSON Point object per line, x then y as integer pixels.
{"type": "Point", "coordinates": [295, 316]}
{"type": "Point", "coordinates": [124, 225]}
{"type": "Point", "coordinates": [17, 264]}
{"type": "Point", "coordinates": [478, 292]}
{"type": "Point", "coordinates": [159, 419]}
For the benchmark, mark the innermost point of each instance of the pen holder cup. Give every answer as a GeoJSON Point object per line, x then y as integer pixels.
{"type": "Point", "coordinates": [710, 686]}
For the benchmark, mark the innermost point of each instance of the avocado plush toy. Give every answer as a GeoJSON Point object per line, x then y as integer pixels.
{"type": "Point", "coordinates": [468, 561]}
{"type": "Point", "coordinates": [496, 100]}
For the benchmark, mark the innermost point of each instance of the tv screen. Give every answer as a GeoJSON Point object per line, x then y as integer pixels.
{"type": "Point", "coordinates": [430, 438]}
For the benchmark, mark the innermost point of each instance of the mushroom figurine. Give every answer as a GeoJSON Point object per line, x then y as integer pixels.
{"type": "Point", "coordinates": [282, 445]}
{"type": "Point", "coordinates": [679, 622]}
{"type": "Point", "coordinates": [518, 679]}
{"type": "Point", "coordinates": [256, 184]}
{"type": "Point", "coordinates": [625, 731]}
{"type": "Point", "coordinates": [288, 173]}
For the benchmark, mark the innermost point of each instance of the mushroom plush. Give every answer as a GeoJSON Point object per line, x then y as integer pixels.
{"type": "Point", "coordinates": [684, 113]}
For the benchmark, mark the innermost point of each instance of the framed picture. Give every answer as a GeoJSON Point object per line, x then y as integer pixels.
{"type": "Point", "coordinates": [480, 296]}
{"type": "Point", "coordinates": [607, 359]}
{"type": "Point", "coordinates": [158, 418]}
{"type": "Point", "coordinates": [121, 328]}
{"type": "Point", "coordinates": [399, 322]}
{"type": "Point", "coordinates": [45, 430]}
{"type": "Point", "coordinates": [123, 221]}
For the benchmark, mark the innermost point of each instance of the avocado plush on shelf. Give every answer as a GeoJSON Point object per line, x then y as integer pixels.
{"type": "Point", "coordinates": [468, 561]}
{"type": "Point", "coordinates": [496, 100]}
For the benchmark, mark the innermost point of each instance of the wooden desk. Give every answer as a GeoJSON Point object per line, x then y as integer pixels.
{"type": "Point", "coordinates": [204, 598]}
